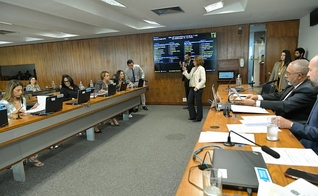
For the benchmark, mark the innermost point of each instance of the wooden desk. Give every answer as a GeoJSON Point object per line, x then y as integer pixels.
{"type": "Point", "coordinates": [216, 119]}
{"type": "Point", "coordinates": [31, 134]}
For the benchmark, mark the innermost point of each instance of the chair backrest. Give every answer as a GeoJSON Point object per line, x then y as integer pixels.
{"type": "Point", "coordinates": [268, 88]}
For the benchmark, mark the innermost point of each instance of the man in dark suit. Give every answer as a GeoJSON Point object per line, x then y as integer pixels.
{"type": "Point", "coordinates": [188, 64]}
{"type": "Point", "coordinates": [297, 99]}
{"type": "Point", "coordinates": [308, 133]}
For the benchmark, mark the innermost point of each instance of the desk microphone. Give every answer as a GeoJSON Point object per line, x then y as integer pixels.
{"type": "Point", "coordinates": [266, 149]}
{"type": "Point", "coordinates": [228, 85]}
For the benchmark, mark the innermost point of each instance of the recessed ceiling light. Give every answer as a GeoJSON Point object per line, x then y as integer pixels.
{"type": "Point", "coordinates": [3, 42]}
{"type": "Point", "coordinates": [214, 6]}
{"type": "Point", "coordinates": [151, 22]}
{"type": "Point", "coordinates": [114, 3]}
{"type": "Point", "coordinates": [6, 23]}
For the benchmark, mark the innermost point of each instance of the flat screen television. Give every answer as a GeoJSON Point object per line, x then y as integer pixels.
{"type": "Point", "coordinates": [170, 50]}
{"type": "Point", "coordinates": [314, 17]}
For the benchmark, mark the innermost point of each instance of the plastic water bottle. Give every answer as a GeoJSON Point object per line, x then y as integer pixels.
{"type": "Point", "coordinates": [91, 84]}
{"type": "Point", "coordinates": [81, 86]}
{"type": "Point", "coordinates": [53, 85]}
{"type": "Point", "coordinates": [238, 81]}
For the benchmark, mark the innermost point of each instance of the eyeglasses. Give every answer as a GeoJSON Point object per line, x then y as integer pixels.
{"type": "Point", "coordinates": [66, 81]}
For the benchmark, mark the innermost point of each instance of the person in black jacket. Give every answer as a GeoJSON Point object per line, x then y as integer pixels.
{"type": "Point", "coordinates": [69, 89]}
{"type": "Point", "coordinates": [188, 64]}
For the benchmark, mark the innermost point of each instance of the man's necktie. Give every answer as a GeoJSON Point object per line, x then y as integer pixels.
{"type": "Point", "coordinates": [133, 74]}
{"type": "Point", "coordinates": [290, 92]}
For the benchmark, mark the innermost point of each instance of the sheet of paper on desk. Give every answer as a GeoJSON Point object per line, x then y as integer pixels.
{"type": "Point", "coordinates": [248, 109]}
{"type": "Point", "coordinates": [300, 187]}
{"type": "Point", "coordinates": [240, 128]}
{"type": "Point", "coordinates": [256, 119]}
{"type": "Point", "coordinates": [291, 156]}
{"type": "Point", "coordinates": [222, 137]}
{"type": "Point", "coordinates": [41, 106]}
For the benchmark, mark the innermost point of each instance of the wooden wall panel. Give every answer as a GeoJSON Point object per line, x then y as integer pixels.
{"type": "Point", "coordinates": [85, 59]}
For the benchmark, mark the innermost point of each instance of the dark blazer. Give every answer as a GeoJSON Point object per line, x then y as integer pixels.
{"type": "Point", "coordinates": [308, 133]}
{"type": "Point", "coordinates": [297, 106]}
{"type": "Point", "coordinates": [189, 66]}
{"type": "Point", "coordinates": [69, 93]}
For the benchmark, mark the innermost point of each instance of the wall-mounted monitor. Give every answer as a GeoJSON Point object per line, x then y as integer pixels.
{"type": "Point", "coordinates": [226, 75]}
{"type": "Point", "coordinates": [170, 50]}
{"type": "Point", "coordinates": [314, 17]}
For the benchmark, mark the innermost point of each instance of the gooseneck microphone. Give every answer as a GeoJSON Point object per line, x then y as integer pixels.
{"type": "Point", "coordinates": [266, 149]}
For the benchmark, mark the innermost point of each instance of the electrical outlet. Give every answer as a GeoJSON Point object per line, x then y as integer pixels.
{"type": "Point", "coordinates": [184, 99]}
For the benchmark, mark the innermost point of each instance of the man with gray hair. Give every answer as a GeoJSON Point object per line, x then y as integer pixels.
{"type": "Point", "coordinates": [297, 99]}
{"type": "Point", "coordinates": [306, 133]}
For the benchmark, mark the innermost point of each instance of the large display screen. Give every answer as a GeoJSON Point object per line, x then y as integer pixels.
{"type": "Point", "coordinates": [170, 50]}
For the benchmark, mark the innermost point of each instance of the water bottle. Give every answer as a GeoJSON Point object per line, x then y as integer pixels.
{"type": "Point", "coordinates": [238, 81]}
{"type": "Point", "coordinates": [53, 84]}
{"type": "Point", "coordinates": [81, 86]}
{"type": "Point", "coordinates": [91, 84]}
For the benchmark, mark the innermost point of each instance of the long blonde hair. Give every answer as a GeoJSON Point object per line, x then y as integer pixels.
{"type": "Point", "coordinates": [12, 84]}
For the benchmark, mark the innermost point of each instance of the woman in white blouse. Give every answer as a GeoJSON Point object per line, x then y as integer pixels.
{"type": "Point", "coordinates": [197, 81]}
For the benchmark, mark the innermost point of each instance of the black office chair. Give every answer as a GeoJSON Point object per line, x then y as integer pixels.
{"type": "Point", "coordinates": [269, 87]}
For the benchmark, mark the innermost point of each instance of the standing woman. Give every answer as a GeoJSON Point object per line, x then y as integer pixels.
{"type": "Point", "coordinates": [33, 85]}
{"type": "Point", "coordinates": [197, 83]}
{"type": "Point", "coordinates": [16, 105]}
{"type": "Point", "coordinates": [69, 89]}
{"type": "Point", "coordinates": [279, 69]}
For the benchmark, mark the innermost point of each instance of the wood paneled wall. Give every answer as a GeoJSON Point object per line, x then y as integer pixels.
{"type": "Point", "coordinates": [85, 59]}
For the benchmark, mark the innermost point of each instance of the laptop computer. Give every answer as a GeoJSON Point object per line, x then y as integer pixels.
{"type": "Point", "coordinates": [83, 96]}
{"type": "Point", "coordinates": [123, 86]}
{"type": "Point", "coordinates": [111, 89]}
{"type": "Point", "coordinates": [240, 168]}
{"type": "Point", "coordinates": [52, 104]}
{"type": "Point", "coordinates": [3, 116]}
{"type": "Point", "coordinates": [140, 83]}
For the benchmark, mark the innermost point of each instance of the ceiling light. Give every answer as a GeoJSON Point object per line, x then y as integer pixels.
{"type": "Point", "coordinates": [114, 3]}
{"type": "Point", "coordinates": [6, 23]}
{"type": "Point", "coordinates": [151, 22]}
{"type": "Point", "coordinates": [3, 42]}
{"type": "Point", "coordinates": [214, 6]}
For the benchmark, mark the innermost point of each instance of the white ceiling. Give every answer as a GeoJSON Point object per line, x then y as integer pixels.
{"type": "Point", "coordinates": [38, 21]}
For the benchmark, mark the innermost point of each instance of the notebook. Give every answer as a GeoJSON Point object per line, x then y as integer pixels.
{"type": "Point", "coordinates": [238, 168]}
{"type": "Point", "coordinates": [3, 116]}
{"type": "Point", "coordinates": [83, 96]}
{"type": "Point", "coordinates": [123, 86]}
{"type": "Point", "coordinates": [52, 104]}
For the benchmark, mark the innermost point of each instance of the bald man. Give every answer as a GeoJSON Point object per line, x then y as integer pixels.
{"type": "Point", "coordinates": [306, 133]}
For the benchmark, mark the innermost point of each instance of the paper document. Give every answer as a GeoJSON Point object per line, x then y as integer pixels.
{"type": "Point", "coordinates": [222, 137]}
{"type": "Point", "coordinates": [248, 109]}
{"type": "Point", "coordinates": [41, 106]}
{"type": "Point", "coordinates": [299, 187]}
{"type": "Point", "coordinates": [248, 128]}
{"type": "Point", "coordinates": [291, 156]}
{"type": "Point", "coordinates": [256, 119]}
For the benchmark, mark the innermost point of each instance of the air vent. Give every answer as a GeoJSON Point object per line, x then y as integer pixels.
{"type": "Point", "coordinates": [168, 10]}
{"type": "Point", "coordinates": [4, 32]}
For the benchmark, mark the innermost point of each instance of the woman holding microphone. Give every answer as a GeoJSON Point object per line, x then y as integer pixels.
{"type": "Point", "coordinates": [197, 81]}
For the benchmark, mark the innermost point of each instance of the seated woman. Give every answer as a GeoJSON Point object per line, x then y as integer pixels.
{"type": "Point", "coordinates": [120, 78]}
{"type": "Point", "coordinates": [32, 86]}
{"type": "Point", "coordinates": [16, 106]}
{"type": "Point", "coordinates": [102, 87]}
{"type": "Point", "coordinates": [69, 89]}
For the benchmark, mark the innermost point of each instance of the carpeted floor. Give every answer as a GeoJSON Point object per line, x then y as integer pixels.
{"type": "Point", "coordinates": [146, 155]}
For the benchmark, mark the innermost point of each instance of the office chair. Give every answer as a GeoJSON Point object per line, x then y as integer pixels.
{"type": "Point", "coordinates": [269, 87]}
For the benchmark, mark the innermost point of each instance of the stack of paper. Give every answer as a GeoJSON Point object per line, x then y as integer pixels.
{"type": "Point", "coordinates": [222, 137]}
{"type": "Point", "coordinates": [41, 106]}
{"type": "Point", "coordinates": [248, 109]}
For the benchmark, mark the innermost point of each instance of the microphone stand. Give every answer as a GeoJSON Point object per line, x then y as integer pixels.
{"type": "Point", "coordinates": [266, 149]}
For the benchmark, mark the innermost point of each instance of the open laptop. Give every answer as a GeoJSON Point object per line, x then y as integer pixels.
{"type": "Point", "coordinates": [52, 104]}
{"type": "Point", "coordinates": [83, 96]}
{"type": "Point", "coordinates": [111, 89]}
{"type": "Point", "coordinates": [140, 83]}
{"type": "Point", "coordinates": [3, 116]}
{"type": "Point", "coordinates": [123, 86]}
{"type": "Point", "coordinates": [240, 168]}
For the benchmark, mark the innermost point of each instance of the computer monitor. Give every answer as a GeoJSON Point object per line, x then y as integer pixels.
{"type": "Point", "coordinates": [226, 75]}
